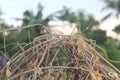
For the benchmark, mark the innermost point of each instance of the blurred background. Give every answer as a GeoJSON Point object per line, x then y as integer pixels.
{"type": "Point", "coordinates": [98, 20]}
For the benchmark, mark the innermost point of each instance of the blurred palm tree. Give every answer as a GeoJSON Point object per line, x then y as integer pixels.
{"type": "Point", "coordinates": [66, 15]}
{"type": "Point", "coordinates": [114, 5]}
{"type": "Point", "coordinates": [29, 18]}
{"type": "Point", "coordinates": [117, 29]}
{"type": "Point", "coordinates": [87, 21]}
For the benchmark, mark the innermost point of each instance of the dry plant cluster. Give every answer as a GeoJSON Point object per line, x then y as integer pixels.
{"type": "Point", "coordinates": [59, 57]}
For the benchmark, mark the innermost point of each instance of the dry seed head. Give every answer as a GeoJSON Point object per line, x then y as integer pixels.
{"type": "Point", "coordinates": [96, 75]}
{"type": "Point", "coordinates": [21, 78]}
{"type": "Point", "coordinates": [8, 63]}
{"type": "Point", "coordinates": [8, 73]}
{"type": "Point", "coordinates": [48, 77]}
{"type": "Point", "coordinates": [114, 75]}
{"type": "Point", "coordinates": [81, 46]}
{"type": "Point", "coordinates": [39, 71]}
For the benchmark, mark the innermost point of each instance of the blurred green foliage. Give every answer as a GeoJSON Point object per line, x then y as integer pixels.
{"type": "Point", "coordinates": [112, 51]}
{"type": "Point", "coordinates": [117, 29]}
{"type": "Point", "coordinates": [99, 36]}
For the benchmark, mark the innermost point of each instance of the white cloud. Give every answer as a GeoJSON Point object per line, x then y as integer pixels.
{"type": "Point", "coordinates": [13, 22]}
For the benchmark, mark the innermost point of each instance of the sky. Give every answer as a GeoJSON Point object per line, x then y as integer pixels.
{"type": "Point", "coordinates": [15, 8]}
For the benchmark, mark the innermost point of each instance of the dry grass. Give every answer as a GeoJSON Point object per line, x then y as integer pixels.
{"type": "Point", "coordinates": [59, 57]}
